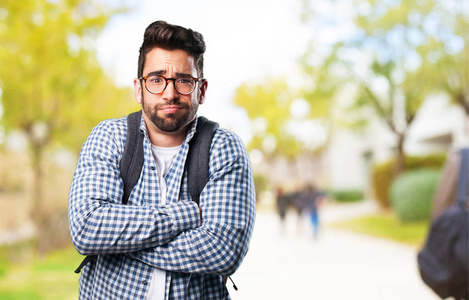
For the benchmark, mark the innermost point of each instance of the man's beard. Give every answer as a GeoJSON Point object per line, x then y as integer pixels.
{"type": "Point", "coordinates": [172, 122]}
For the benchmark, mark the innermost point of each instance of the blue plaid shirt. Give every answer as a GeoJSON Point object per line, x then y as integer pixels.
{"type": "Point", "coordinates": [132, 239]}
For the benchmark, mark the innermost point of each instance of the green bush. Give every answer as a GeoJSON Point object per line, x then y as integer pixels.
{"type": "Point", "coordinates": [382, 174]}
{"type": "Point", "coordinates": [412, 194]}
{"type": "Point", "coordinates": [346, 195]}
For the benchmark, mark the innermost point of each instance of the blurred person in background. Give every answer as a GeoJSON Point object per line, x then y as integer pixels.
{"type": "Point", "coordinates": [282, 204]}
{"type": "Point", "coordinates": [162, 245]}
{"type": "Point", "coordinates": [309, 202]}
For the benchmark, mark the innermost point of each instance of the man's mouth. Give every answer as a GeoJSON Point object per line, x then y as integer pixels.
{"type": "Point", "coordinates": [170, 109]}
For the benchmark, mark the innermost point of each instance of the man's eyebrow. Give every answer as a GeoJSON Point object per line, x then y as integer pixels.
{"type": "Point", "coordinates": [153, 73]}
{"type": "Point", "coordinates": [162, 72]}
{"type": "Point", "coordinates": [183, 75]}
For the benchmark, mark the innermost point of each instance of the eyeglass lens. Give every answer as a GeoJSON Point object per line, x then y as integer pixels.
{"type": "Point", "coordinates": [157, 84]}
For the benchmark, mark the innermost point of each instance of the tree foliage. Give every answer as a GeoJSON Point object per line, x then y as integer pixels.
{"type": "Point", "coordinates": [52, 87]}
{"type": "Point", "coordinates": [267, 105]}
{"type": "Point", "coordinates": [398, 53]}
{"type": "Point", "coordinates": [284, 121]}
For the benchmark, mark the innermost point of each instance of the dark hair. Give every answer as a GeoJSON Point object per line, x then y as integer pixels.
{"type": "Point", "coordinates": [171, 37]}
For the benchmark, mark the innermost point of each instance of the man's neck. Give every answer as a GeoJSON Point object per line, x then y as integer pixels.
{"type": "Point", "coordinates": [166, 140]}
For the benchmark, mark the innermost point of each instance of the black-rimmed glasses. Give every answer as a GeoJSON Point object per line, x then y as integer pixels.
{"type": "Point", "coordinates": [156, 84]}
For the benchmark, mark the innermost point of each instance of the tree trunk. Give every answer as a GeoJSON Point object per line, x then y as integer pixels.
{"type": "Point", "coordinates": [399, 165]}
{"type": "Point", "coordinates": [38, 214]}
{"type": "Point", "coordinates": [462, 101]}
{"type": "Point", "coordinates": [39, 137]}
{"type": "Point", "coordinates": [37, 190]}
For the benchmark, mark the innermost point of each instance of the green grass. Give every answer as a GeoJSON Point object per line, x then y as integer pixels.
{"type": "Point", "coordinates": [387, 225]}
{"type": "Point", "coordinates": [51, 278]}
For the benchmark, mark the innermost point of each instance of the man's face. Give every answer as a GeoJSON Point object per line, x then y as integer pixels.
{"type": "Point", "coordinates": [169, 111]}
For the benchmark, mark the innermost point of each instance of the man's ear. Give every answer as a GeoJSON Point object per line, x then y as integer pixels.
{"type": "Point", "coordinates": [138, 90]}
{"type": "Point", "coordinates": [203, 90]}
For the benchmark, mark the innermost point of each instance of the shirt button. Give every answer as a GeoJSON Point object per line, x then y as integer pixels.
{"type": "Point", "coordinates": [152, 168]}
{"type": "Point", "coordinates": [144, 282]}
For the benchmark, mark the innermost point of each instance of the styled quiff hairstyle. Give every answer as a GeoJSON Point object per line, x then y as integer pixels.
{"type": "Point", "coordinates": [172, 37]}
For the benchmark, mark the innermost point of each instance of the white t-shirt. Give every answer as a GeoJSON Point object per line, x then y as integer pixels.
{"type": "Point", "coordinates": [164, 158]}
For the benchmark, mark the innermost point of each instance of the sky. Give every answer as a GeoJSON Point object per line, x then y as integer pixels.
{"type": "Point", "coordinates": [246, 41]}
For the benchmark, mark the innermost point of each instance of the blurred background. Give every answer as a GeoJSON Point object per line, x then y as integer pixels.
{"type": "Point", "coordinates": [365, 101]}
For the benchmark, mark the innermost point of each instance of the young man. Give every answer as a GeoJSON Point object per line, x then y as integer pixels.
{"type": "Point", "coordinates": [162, 245]}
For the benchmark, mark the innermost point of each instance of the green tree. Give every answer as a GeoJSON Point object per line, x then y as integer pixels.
{"type": "Point", "coordinates": [53, 88]}
{"type": "Point", "coordinates": [396, 56]}
{"type": "Point", "coordinates": [267, 105]}
{"type": "Point", "coordinates": [278, 114]}
{"type": "Point", "coordinates": [446, 50]}
{"type": "Point", "coordinates": [287, 129]}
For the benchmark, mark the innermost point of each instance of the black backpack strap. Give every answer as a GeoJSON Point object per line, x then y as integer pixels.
{"type": "Point", "coordinates": [85, 261]}
{"type": "Point", "coordinates": [132, 159]}
{"type": "Point", "coordinates": [199, 156]}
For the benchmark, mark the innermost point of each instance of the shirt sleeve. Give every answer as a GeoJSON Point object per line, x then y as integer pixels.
{"type": "Point", "coordinates": [99, 223]}
{"type": "Point", "coordinates": [228, 213]}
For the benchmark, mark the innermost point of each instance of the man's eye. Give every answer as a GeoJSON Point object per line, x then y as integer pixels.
{"type": "Point", "coordinates": [155, 80]}
{"type": "Point", "coordinates": [185, 80]}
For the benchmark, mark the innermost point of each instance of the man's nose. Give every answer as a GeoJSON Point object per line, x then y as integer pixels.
{"type": "Point", "coordinates": [170, 91]}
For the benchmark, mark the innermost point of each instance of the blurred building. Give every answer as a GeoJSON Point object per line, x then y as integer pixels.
{"type": "Point", "coordinates": [438, 127]}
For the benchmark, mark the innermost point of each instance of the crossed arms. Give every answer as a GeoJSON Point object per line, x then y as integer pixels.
{"type": "Point", "coordinates": [171, 237]}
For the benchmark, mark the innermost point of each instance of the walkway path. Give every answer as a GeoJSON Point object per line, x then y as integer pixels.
{"type": "Point", "coordinates": [285, 262]}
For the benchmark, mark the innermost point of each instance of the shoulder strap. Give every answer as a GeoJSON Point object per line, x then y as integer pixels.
{"type": "Point", "coordinates": [199, 156]}
{"type": "Point", "coordinates": [462, 188]}
{"type": "Point", "coordinates": [132, 159]}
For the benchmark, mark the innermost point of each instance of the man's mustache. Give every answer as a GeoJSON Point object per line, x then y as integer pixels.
{"type": "Point", "coordinates": [173, 102]}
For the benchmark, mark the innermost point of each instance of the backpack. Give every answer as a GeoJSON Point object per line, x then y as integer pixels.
{"type": "Point", "coordinates": [444, 260]}
{"type": "Point", "coordinates": [132, 161]}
